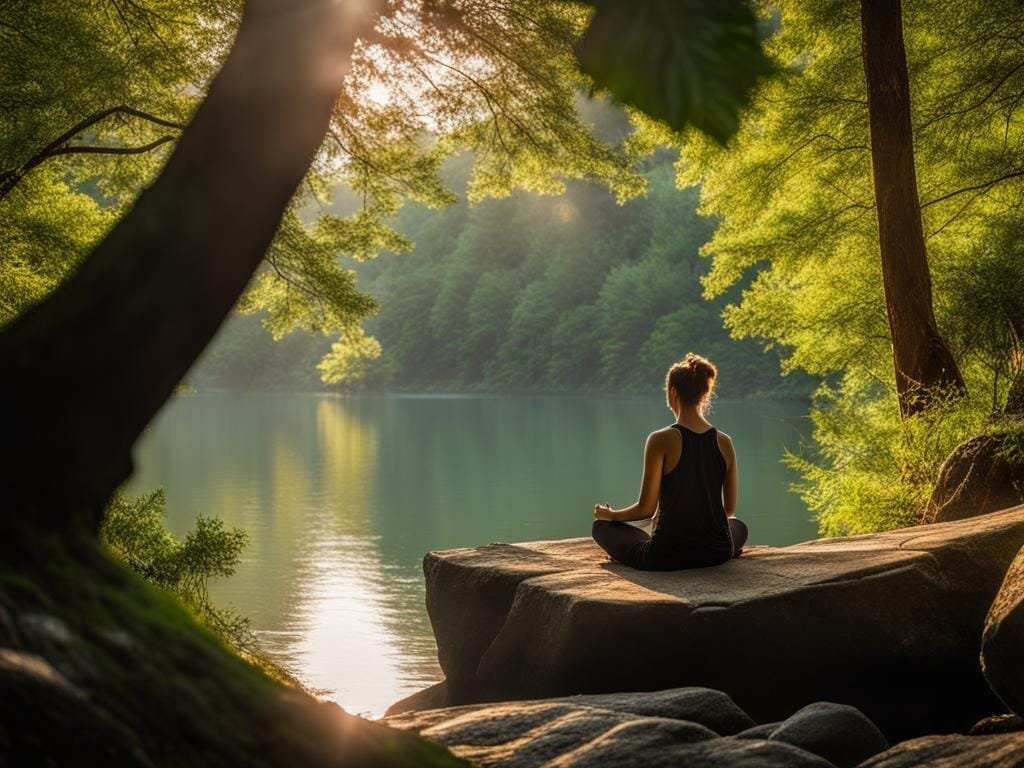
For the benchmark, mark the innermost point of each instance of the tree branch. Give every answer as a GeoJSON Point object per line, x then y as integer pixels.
{"type": "Point", "coordinates": [984, 185]}
{"type": "Point", "coordinates": [92, 149]}
{"type": "Point", "coordinates": [10, 178]}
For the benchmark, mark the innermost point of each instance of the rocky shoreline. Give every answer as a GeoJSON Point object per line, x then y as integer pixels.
{"type": "Point", "coordinates": [881, 630]}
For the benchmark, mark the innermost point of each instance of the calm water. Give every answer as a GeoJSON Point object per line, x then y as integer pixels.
{"type": "Point", "coordinates": [342, 496]}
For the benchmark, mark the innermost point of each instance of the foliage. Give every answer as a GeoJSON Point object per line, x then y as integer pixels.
{"type": "Point", "coordinates": [100, 90]}
{"type": "Point", "coordinates": [797, 226]}
{"type": "Point", "coordinates": [121, 73]}
{"type": "Point", "coordinates": [870, 470]}
{"type": "Point", "coordinates": [132, 529]}
{"type": "Point", "coordinates": [349, 359]}
{"type": "Point", "coordinates": [1012, 449]}
{"type": "Point", "coordinates": [530, 293]}
{"type": "Point", "coordinates": [986, 295]}
{"type": "Point", "coordinates": [686, 62]}
{"type": "Point", "coordinates": [555, 294]}
{"type": "Point", "coordinates": [95, 79]}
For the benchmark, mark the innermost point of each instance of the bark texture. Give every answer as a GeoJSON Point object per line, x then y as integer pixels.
{"type": "Point", "coordinates": [923, 362]}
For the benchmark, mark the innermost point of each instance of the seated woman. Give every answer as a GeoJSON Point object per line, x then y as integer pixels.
{"type": "Point", "coordinates": [689, 487]}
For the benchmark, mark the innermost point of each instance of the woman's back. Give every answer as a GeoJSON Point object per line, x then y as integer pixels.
{"type": "Point", "coordinates": [692, 525]}
{"type": "Point", "coordinates": [690, 499]}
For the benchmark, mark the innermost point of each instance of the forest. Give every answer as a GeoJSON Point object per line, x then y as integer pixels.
{"type": "Point", "coordinates": [573, 293]}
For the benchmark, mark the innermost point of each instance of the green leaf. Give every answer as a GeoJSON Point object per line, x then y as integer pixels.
{"type": "Point", "coordinates": [687, 62]}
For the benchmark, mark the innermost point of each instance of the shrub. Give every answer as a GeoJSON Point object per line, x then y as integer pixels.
{"type": "Point", "coordinates": [870, 470]}
{"type": "Point", "coordinates": [133, 530]}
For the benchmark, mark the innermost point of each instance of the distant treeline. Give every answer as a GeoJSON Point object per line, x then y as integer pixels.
{"type": "Point", "coordinates": [529, 293]}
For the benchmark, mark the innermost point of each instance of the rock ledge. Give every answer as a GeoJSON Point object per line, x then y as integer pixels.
{"type": "Point", "coordinates": [890, 623]}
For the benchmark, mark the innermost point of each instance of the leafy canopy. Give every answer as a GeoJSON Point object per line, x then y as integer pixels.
{"type": "Point", "coordinates": [97, 91]}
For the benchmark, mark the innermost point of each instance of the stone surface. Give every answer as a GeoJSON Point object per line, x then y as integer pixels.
{"type": "Point", "coordinates": [953, 751]}
{"type": "Point", "coordinates": [1005, 723]}
{"type": "Point", "coordinates": [45, 714]}
{"type": "Point", "coordinates": [762, 731]}
{"type": "Point", "coordinates": [1002, 647]}
{"type": "Point", "coordinates": [839, 733]}
{"type": "Point", "coordinates": [976, 479]}
{"type": "Point", "coordinates": [890, 623]}
{"type": "Point", "coordinates": [712, 709]}
{"type": "Point", "coordinates": [611, 731]}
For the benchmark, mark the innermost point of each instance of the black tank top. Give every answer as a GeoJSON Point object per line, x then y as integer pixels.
{"type": "Point", "coordinates": [691, 524]}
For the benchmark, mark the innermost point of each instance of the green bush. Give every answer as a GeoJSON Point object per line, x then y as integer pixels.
{"type": "Point", "coordinates": [133, 530]}
{"type": "Point", "coordinates": [870, 470]}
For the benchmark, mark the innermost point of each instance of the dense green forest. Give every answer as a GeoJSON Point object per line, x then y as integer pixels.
{"type": "Point", "coordinates": [527, 293]}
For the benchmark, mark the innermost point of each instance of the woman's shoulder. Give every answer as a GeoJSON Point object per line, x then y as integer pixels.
{"type": "Point", "coordinates": [659, 435]}
{"type": "Point", "coordinates": [661, 438]}
{"type": "Point", "coordinates": [726, 447]}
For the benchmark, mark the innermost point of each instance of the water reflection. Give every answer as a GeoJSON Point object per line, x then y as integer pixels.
{"type": "Point", "coordinates": [342, 497]}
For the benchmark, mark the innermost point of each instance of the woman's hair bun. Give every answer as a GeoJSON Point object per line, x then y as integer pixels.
{"type": "Point", "coordinates": [700, 365]}
{"type": "Point", "coordinates": [693, 379]}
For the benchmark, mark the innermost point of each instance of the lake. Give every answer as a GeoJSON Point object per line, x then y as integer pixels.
{"type": "Point", "coordinates": [343, 495]}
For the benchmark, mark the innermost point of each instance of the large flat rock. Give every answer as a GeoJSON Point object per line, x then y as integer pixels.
{"type": "Point", "coordinates": [890, 623]}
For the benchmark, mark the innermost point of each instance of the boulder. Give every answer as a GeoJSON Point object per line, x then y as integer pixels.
{"type": "Point", "coordinates": [536, 733]}
{"type": "Point", "coordinates": [617, 750]}
{"type": "Point", "coordinates": [981, 475]}
{"type": "Point", "coordinates": [712, 709]}
{"type": "Point", "coordinates": [1002, 645]}
{"type": "Point", "coordinates": [602, 732]}
{"type": "Point", "coordinates": [999, 751]}
{"type": "Point", "coordinates": [889, 623]}
{"type": "Point", "coordinates": [838, 732]}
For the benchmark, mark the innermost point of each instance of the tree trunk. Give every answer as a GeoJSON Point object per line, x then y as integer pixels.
{"type": "Point", "coordinates": [1015, 397]}
{"type": "Point", "coordinates": [922, 361]}
{"type": "Point", "coordinates": [83, 372]}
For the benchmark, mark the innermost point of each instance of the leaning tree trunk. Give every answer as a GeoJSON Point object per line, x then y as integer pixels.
{"type": "Point", "coordinates": [82, 373]}
{"type": "Point", "coordinates": [922, 361]}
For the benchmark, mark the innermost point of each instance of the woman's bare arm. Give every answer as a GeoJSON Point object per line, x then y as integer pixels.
{"type": "Point", "coordinates": [650, 486]}
{"type": "Point", "coordinates": [730, 487]}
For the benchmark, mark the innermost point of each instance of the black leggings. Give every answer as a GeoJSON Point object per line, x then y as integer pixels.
{"type": "Point", "coordinates": [632, 546]}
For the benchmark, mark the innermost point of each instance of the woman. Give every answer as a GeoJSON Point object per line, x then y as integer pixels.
{"type": "Point", "coordinates": [689, 486]}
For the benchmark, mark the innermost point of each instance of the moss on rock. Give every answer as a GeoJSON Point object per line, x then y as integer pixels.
{"type": "Point", "coordinates": [100, 663]}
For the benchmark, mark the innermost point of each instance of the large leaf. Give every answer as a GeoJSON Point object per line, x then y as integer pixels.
{"type": "Point", "coordinates": [687, 62]}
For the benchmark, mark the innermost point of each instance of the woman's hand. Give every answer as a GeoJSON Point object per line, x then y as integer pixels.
{"type": "Point", "coordinates": [603, 511]}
